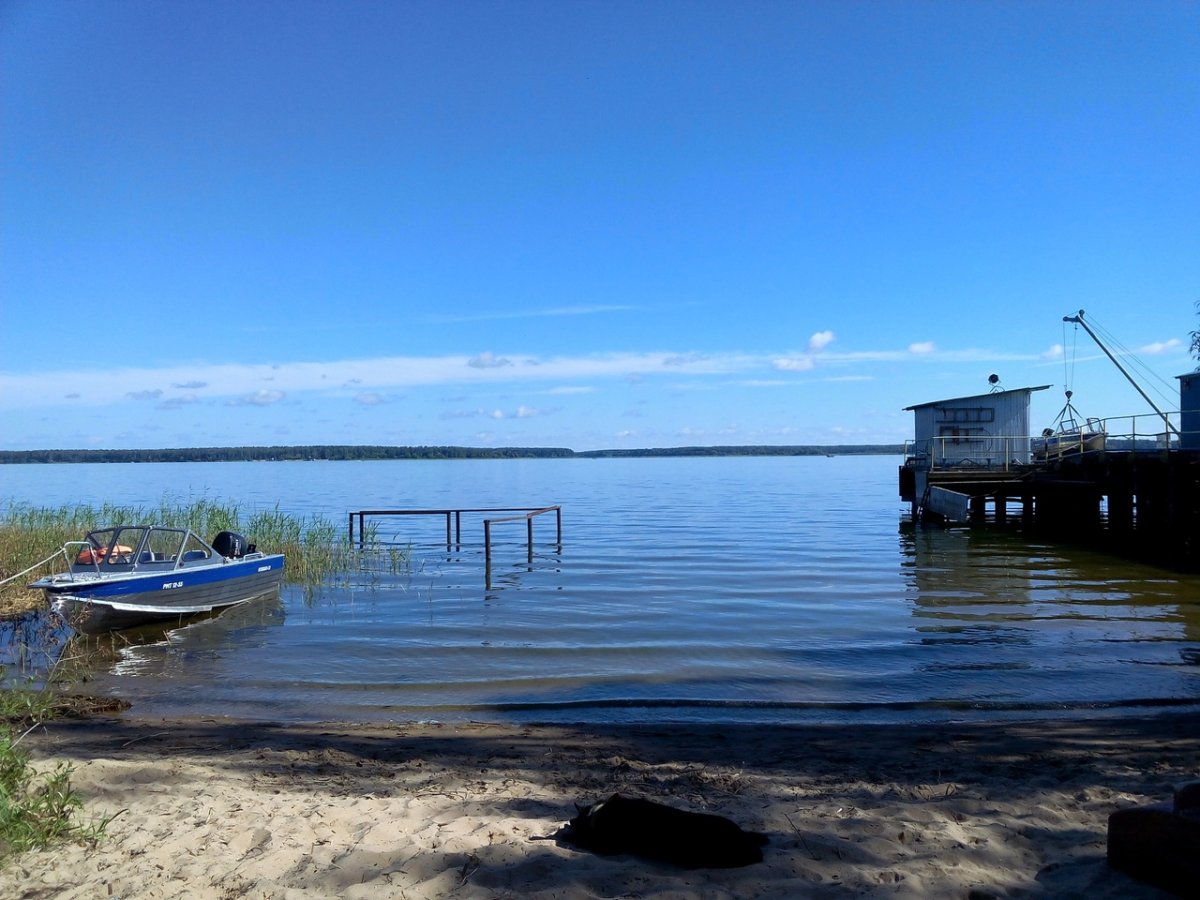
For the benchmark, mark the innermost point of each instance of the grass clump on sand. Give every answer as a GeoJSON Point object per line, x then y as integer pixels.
{"type": "Point", "coordinates": [314, 546]}
{"type": "Point", "coordinates": [37, 809]}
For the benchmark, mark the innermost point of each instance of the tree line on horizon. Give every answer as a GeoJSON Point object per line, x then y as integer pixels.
{"type": "Point", "coordinates": [340, 452]}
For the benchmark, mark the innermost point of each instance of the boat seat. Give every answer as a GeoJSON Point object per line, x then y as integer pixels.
{"type": "Point", "coordinates": [194, 556]}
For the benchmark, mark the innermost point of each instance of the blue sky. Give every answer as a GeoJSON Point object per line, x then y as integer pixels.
{"type": "Point", "coordinates": [582, 224]}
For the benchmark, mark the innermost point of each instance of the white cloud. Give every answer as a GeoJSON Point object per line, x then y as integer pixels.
{"type": "Point", "coordinates": [178, 402]}
{"type": "Point", "coordinates": [820, 341]}
{"type": "Point", "coordinates": [922, 348]}
{"type": "Point", "coordinates": [793, 363]}
{"type": "Point", "coordinates": [1055, 351]}
{"type": "Point", "coordinates": [388, 376]}
{"type": "Point", "coordinates": [258, 398]}
{"type": "Point", "coordinates": [1162, 347]}
{"type": "Point", "coordinates": [684, 359]}
{"type": "Point", "coordinates": [527, 412]}
{"type": "Point", "coordinates": [370, 398]}
{"type": "Point", "coordinates": [488, 360]}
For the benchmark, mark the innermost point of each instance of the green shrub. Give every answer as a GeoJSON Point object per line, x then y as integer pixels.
{"type": "Point", "coordinates": [37, 810]}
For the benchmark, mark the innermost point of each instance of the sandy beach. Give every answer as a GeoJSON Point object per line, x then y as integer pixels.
{"type": "Point", "coordinates": [222, 808]}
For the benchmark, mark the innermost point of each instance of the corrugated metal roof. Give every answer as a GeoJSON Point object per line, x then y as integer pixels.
{"type": "Point", "coordinates": [1025, 390]}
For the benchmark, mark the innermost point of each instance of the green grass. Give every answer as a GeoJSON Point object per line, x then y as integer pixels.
{"type": "Point", "coordinates": [315, 547]}
{"type": "Point", "coordinates": [37, 809]}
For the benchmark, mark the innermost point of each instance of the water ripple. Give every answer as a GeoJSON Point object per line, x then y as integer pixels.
{"type": "Point", "coordinates": [779, 589]}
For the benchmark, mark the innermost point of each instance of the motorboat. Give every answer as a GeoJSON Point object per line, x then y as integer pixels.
{"type": "Point", "coordinates": [125, 576]}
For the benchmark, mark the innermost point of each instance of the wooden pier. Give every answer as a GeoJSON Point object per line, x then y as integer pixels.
{"type": "Point", "coordinates": [1144, 504]}
{"type": "Point", "coordinates": [1127, 485]}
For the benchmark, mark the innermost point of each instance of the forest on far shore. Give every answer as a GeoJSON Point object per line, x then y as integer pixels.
{"type": "Point", "coordinates": [359, 452]}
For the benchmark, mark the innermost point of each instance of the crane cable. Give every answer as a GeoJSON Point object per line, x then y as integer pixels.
{"type": "Point", "coordinates": [1069, 360]}
{"type": "Point", "coordinates": [1149, 378]}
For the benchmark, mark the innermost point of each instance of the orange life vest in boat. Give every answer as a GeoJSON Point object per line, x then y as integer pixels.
{"type": "Point", "coordinates": [87, 555]}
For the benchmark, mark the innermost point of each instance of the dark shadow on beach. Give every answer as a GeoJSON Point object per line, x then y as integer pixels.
{"type": "Point", "coordinates": [808, 770]}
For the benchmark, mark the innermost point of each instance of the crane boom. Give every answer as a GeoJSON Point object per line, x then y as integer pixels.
{"type": "Point", "coordinates": [1078, 320]}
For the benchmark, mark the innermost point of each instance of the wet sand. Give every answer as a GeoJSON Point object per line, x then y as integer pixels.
{"type": "Point", "coordinates": [222, 808]}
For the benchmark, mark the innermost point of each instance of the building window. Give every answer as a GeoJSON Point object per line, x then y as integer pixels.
{"type": "Point", "coordinates": [967, 414]}
{"type": "Point", "coordinates": [959, 434]}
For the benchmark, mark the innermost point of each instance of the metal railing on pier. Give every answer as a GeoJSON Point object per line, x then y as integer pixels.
{"type": "Point", "coordinates": [1142, 433]}
{"type": "Point", "coordinates": [453, 518]}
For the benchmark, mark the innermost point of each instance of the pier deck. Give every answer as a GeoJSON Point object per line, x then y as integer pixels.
{"type": "Point", "coordinates": [1139, 503]}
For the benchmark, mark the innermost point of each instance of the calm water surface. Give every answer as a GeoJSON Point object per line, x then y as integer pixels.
{"type": "Point", "coordinates": [723, 589]}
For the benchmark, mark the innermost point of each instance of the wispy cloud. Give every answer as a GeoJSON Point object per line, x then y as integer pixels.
{"type": "Point", "coordinates": [257, 398]}
{"type": "Point", "coordinates": [1160, 347]}
{"type": "Point", "coordinates": [793, 363]}
{"type": "Point", "coordinates": [1055, 351]}
{"type": "Point", "coordinates": [372, 379]}
{"type": "Point", "coordinates": [370, 398]}
{"type": "Point", "coordinates": [488, 360]}
{"type": "Point", "coordinates": [178, 402]}
{"type": "Point", "coordinates": [806, 361]}
{"type": "Point", "coordinates": [506, 315]}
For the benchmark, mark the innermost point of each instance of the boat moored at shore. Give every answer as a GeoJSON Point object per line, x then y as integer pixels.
{"type": "Point", "coordinates": [130, 575]}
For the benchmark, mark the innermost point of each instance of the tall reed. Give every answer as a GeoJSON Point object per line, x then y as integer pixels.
{"type": "Point", "coordinates": [314, 546]}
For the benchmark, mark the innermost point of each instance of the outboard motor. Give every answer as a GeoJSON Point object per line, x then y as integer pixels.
{"type": "Point", "coordinates": [230, 545]}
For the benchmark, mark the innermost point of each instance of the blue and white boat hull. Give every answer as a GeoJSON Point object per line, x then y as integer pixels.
{"type": "Point", "coordinates": [126, 581]}
{"type": "Point", "coordinates": [108, 607]}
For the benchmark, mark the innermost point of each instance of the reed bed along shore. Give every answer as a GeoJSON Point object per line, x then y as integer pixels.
{"type": "Point", "coordinates": [315, 547]}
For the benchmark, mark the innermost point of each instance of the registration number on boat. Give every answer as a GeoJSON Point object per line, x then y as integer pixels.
{"type": "Point", "coordinates": [167, 585]}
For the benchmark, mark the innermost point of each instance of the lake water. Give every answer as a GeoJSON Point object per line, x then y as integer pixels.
{"type": "Point", "coordinates": [709, 589]}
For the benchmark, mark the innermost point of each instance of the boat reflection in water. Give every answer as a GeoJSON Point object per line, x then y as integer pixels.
{"type": "Point", "coordinates": [162, 649]}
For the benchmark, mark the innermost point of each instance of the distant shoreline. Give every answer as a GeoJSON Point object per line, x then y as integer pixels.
{"type": "Point", "coordinates": [343, 452]}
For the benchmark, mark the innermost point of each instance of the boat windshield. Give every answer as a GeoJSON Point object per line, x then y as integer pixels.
{"type": "Point", "coordinates": [163, 544]}
{"type": "Point", "coordinates": [111, 546]}
{"type": "Point", "coordinates": [142, 545]}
